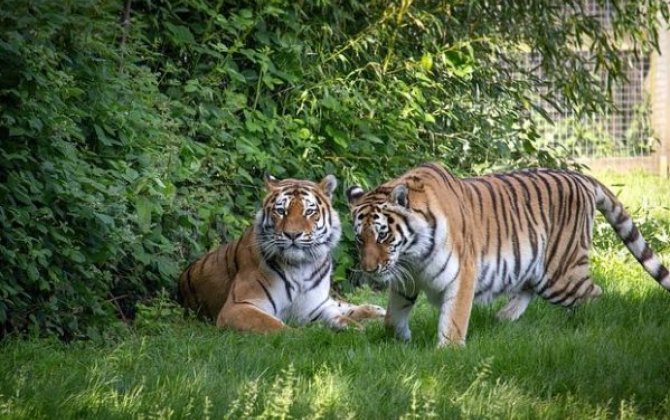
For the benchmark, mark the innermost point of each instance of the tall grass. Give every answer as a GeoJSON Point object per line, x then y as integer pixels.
{"type": "Point", "coordinates": [609, 358]}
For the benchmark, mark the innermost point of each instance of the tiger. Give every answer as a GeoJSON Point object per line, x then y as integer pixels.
{"type": "Point", "coordinates": [465, 240]}
{"type": "Point", "coordinates": [279, 269]}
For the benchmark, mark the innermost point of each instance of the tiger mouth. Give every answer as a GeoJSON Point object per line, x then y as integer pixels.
{"type": "Point", "coordinates": [294, 245]}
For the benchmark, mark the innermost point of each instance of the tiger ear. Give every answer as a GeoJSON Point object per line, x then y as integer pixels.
{"type": "Point", "coordinates": [354, 194]}
{"type": "Point", "coordinates": [399, 195]}
{"type": "Point", "coordinates": [270, 182]}
{"type": "Point", "coordinates": [328, 185]}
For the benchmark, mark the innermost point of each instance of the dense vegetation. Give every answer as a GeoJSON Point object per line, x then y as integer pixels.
{"type": "Point", "coordinates": [134, 133]}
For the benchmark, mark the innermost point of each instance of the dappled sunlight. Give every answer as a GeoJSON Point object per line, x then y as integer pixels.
{"type": "Point", "coordinates": [328, 391]}
{"type": "Point", "coordinates": [106, 396]}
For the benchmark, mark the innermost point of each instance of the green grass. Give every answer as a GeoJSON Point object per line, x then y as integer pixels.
{"type": "Point", "coordinates": [609, 358]}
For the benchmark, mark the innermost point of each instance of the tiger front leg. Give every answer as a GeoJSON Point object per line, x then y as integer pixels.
{"type": "Point", "coordinates": [455, 309]}
{"type": "Point", "coordinates": [397, 315]}
{"type": "Point", "coordinates": [246, 308]}
{"type": "Point", "coordinates": [364, 311]}
{"type": "Point", "coordinates": [333, 314]}
{"type": "Point", "coordinates": [247, 317]}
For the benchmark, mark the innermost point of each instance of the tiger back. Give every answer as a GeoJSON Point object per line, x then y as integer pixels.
{"type": "Point", "coordinates": [279, 269]}
{"type": "Point", "coordinates": [459, 241]}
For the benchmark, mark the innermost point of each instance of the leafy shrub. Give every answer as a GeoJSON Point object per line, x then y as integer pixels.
{"type": "Point", "coordinates": [132, 145]}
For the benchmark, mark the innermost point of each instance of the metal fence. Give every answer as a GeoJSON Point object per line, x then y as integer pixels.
{"type": "Point", "coordinates": [626, 130]}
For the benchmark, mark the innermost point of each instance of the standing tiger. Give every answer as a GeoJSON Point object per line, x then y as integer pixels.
{"type": "Point", "coordinates": [279, 269]}
{"type": "Point", "coordinates": [464, 240]}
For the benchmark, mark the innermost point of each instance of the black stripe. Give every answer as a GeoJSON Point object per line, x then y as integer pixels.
{"type": "Point", "coordinates": [267, 293]}
{"type": "Point", "coordinates": [632, 236]}
{"type": "Point", "coordinates": [545, 285]}
{"type": "Point", "coordinates": [568, 293]}
{"type": "Point", "coordinates": [479, 198]}
{"type": "Point", "coordinates": [586, 208]}
{"type": "Point", "coordinates": [622, 217]}
{"type": "Point", "coordinates": [322, 273]}
{"type": "Point", "coordinates": [204, 260]}
{"type": "Point", "coordinates": [188, 279]}
{"type": "Point", "coordinates": [404, 220]}
{"type": "Point", "coordinates": [556, 233]}
{"type": "Point", "coordinates": [464, 224]}
{"type": "Point", "coordinates": [577, 210]}
{"type": "Point", "coordinates": [315, 317]}
{"type": "Point", "coordinates": [494, 204]}
{"type": "Point", "coordinates": [502, 210]}
{"type": "Point", "coordinates": [540, 202]}
{"type": "Point", "coordinates": [235, 259]}
{"type": "Point", "coordinates": [504, 273]}
{"type": "Point", "coordinates": [440, 171]}
{"type": "Point", "coordinates": [411, 299]}
{"type": "Point", "coordinates": [432, 222]}
{"type": "Point", "coordinates": [646, 254]}
{"type": "Point", "coordinates": [562, 204]}
{"type": "Point", "coordinates": [482, 277]}
{"type": "Point", "coordinates": [523, 184]}
{"type": "Point", "coordinates": [661, 274]}
{"type": "Point", "coordinates": [515, 229]}
{"type": "Point", "coordinates": [273, 266]}
{"type": "Point", "coordinates": [444, 267]}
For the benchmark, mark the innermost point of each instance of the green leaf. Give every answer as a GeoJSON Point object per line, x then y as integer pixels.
{"type": "Point", "coordinates": [427, 61]}
{"type": "Point", "coordinates": [143, 211]}
{"type": "Point", "coordinates": [181, 34]}
{"type": "Point", "coordinates": [105, 219]}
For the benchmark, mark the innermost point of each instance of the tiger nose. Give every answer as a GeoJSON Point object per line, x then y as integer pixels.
{"type": "Point", "coordinates": [293, 235]}
{"type": "Point", "coordinates": [371, 268]}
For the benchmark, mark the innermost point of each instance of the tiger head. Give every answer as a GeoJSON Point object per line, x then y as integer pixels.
{"type": "Point", "coordinates": [388, 230]}
{"type": "Point", "coordinates": [297, 222]}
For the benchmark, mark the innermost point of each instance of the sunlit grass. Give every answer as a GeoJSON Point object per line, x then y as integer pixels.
{"type": "Point", "coordinates": [607, 359]}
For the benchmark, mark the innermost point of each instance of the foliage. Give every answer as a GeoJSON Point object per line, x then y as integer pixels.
{"type": "Point", "coordinates": [594, 136]}
{"type": "Point", "coordinates": [130, 146]}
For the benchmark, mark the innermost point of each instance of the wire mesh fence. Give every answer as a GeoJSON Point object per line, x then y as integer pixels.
{"type": "Point", "coordinates": [624, 130]}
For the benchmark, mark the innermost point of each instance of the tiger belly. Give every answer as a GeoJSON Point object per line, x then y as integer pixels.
{"type": "Point", "coordinates": [507, 274]}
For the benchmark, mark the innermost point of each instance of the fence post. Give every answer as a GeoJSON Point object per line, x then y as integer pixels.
{"type": "Point", "coordinates": [660, 96]}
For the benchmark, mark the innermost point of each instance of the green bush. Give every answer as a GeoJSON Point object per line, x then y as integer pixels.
{"type": "Point", "coordinates": [131, 146]}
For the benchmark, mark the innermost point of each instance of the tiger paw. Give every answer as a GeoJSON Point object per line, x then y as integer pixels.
{"type": "Point", "coordinates": [367, 311]}
{"type": "Point", "coordinates": [342, 322]}
{"type": "Point", "coordinates": [401, 333]}
{"type": "Point", "coordinates": [454, 344]}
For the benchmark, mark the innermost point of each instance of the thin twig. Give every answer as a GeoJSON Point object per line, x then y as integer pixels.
{"type": "Point", "coordinates": [114, 300]}
{"type": "Point", "coordinates": [125, 25]}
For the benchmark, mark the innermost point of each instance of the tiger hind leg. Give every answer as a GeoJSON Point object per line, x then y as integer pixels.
{"type": "Point", "coordinates": [571, 288]}
{"type": "Point", "coordinates": [516, 306]}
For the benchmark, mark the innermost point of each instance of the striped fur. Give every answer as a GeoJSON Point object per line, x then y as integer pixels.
{"type": "Point", "coordinates": [279, 269]}
{"type": "Point", "coordinates": [463, 240]}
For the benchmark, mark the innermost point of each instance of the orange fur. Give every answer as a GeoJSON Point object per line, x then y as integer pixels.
{"type": "Point", "coordinates": [461, 240]}
{"type": "Point", "coordinates": [279, 268]}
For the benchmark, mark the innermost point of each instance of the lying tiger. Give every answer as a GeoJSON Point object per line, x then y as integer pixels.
{"type": "Point", "coordinates": [463, 240]}
{"type": "Point", "coordinates": [279, 269]}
